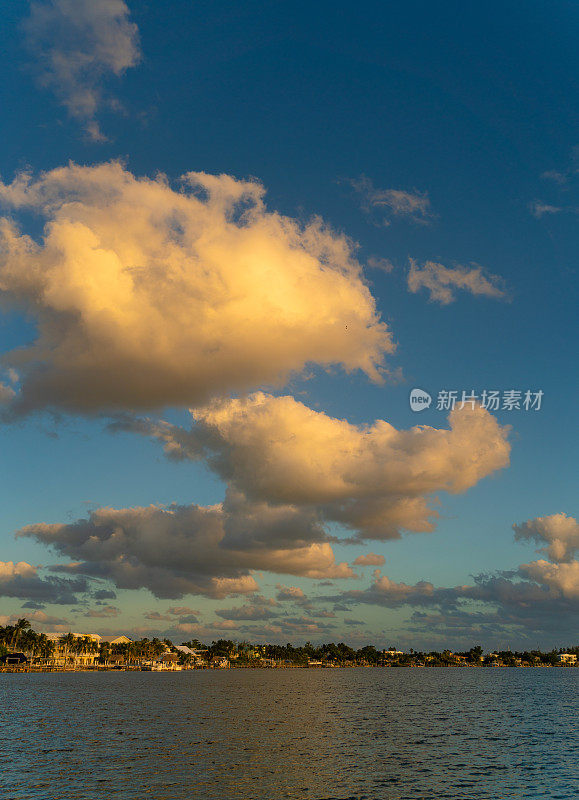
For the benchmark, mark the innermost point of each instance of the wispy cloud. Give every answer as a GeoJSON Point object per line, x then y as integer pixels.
{"type": "Point", "coordinates": [563, 185]}
{"type": "Point", "coordinates": [381, 264]}
{"type": "Point", "coordinates": [444, 282]}
{"type": "Point", "coordinates": [77, 46]}
{"type": "Point", "coordinates": [555, 176]}
{"type": "Point", "coordinates": [103, 613]}
{"type": "Point", "coordinates": [539, 209]}
{"type": "Point", "coordinates": [568, 173]}
{"type": "Point", "coordinates": [384, 205]}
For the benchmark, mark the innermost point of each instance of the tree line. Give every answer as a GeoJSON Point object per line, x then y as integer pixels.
{"type": "Point", "coordinates": [20, 637]}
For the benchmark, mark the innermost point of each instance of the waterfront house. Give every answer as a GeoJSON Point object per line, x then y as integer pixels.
{"type": "Point", "coordinates": [167, 662]}
{"type": "Point", "coordinates": [193, 658]}
{"type": "Point", "coordinates": [567, 658]}
{"type": "Point", "coordinates": [75, 649]}
{"type": "Point", "coordinates": [182, 648]}
{"type": "Point", "coordinates": [220, 662]}
{"type": "Point", "coordinates": [392, 652]}
{"type": "Point", "coordinates": [267, 662]}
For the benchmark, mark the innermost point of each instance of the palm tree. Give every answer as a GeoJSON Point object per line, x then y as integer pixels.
{"type": "Point", "coordinates": [28, 642]}
{"type": "Point", "coordinates": [20, 626]}
{"type": "Point", "coordinates": [94, 647]}
{"type": "Point", "coordinates": [80, 646]}
{"type": "Point", "coordinates": [67, 642]}
{"type": "Point", "coordinates": [45, 646]}
{"type": "Point", "coordinates": [105, 651]}
{"type": "Point", "coordinates": [6, 634]}
{"type": "Point", "coordinates": [87, 646]}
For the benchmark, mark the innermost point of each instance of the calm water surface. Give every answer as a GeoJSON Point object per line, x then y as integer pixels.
{"type": "Point", "coordinates": [319, 734]}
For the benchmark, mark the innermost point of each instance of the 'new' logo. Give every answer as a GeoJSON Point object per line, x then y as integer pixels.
{"type": "Point", "coordinates": [419, 400]}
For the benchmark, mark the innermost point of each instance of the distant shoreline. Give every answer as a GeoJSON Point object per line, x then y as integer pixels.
{"type": "Point", "coordinates": [43, 669]}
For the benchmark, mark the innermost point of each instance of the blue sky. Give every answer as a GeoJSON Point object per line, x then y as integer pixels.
{"type": "Point", "coordinates": [469, 111]}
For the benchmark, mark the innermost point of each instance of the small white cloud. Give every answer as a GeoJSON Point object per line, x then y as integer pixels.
{"type": "Point", "coordinates": [370, 560]}
{"type": "Point", "coordinates": [289, 593]}
{"type": "Point", "coordinates": [443, 282]}
{"type": "Point", "coordinates": [384, 205]}
{"type": "Point", "coordinates": [539, 209]}
{"type": "Point", "coordinates": [555, 176]}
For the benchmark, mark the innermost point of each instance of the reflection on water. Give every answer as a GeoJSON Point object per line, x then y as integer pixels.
{"type": "Point", "coordinates": [324, 734]}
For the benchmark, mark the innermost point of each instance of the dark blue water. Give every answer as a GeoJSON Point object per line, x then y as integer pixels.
{"type": "Point", "coordinates": [344, 733]}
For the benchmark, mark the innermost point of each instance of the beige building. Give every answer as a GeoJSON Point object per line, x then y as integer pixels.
{"type": "Point", "coordinates": [82, 651]}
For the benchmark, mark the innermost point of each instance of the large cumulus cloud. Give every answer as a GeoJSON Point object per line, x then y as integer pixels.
{"type": "Point", "coordinates": [374, 479]}
{"type": "Point", "coordinates": [147, 296]}
{"type": "Point", "coordinates": [192, 549]}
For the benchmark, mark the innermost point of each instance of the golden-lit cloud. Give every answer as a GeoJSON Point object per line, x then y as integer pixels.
{"type": "Point", "coordinates": [146, 295]}
{"type": "Point", "coordinates": [374, 479]}
{"type": "Point", "coordinates": [443, 282]}
{"type": "Point", "coordinates": [289, 593]}
{"type": "Point", "coordinates": [10, 570]}
{"type": "Point", "coordinates": [77, 45]}
{"type": "Point", "coordinates": [562, 578]}
{"type": "Point", "coordinates": [558, 531]}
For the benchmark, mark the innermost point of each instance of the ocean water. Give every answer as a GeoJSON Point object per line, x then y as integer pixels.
{"type": "Point", "coordinates": [389, 734]}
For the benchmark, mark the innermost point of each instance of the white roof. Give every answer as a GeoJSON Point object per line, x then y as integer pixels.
{"type": "Point", "coordinates": [118, 639]}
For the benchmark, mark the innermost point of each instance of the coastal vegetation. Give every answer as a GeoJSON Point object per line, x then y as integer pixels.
{"type": "Point", "coordinates": [21, 647]}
